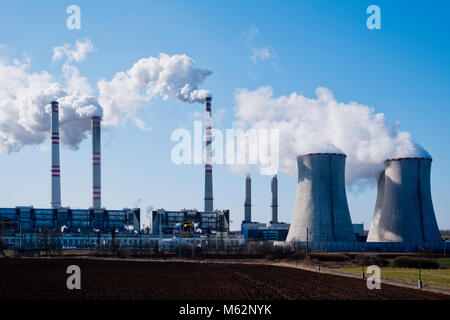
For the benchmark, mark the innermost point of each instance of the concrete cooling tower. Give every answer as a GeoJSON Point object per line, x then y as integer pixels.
{"type": "Point", "coordinates": [404, 209]}
{"type": "Point", "coordinates": [321, 203]}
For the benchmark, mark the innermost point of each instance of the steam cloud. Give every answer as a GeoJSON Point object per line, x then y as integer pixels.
{"type": "Point", "coordinates": [25, 96]}
{"type": "Point", "coordinates": [149, 78]}
{"type": "Point", "coordinates": [326, 125]}
{"type": "Point", "coordinates": [25, 110]}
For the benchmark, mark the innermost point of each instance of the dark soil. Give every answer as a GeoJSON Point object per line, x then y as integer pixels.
{"type": "Point", "coordinates": [43, 279]}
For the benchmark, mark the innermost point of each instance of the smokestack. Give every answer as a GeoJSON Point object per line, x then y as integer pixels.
{"type": "Point", "coordinates": [321, 207]}
{"type": "Point", "coordinates": [56, 169]}
{"type": "Point", "coordinates": [208, 161]}
{"type": "Point", "coordinates": [274, 187]}
{"type": "Point", "coordinates": [248, 199]}
{"type": "Point", "coordinates": [404, 208]}
{"type": "Point", "coordinates": [96, 163]}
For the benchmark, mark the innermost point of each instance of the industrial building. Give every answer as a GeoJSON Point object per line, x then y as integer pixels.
{"type": "Point", "coordinates": [66, 220]}
{"type": "Point", "coordinates": [404, 208]}
{"type": "Point", "coordinates": [167, 222]}
{"type": "Point", "coordinates": [321, 211]}
{"type": "Point", "coordinates": [59, 219]}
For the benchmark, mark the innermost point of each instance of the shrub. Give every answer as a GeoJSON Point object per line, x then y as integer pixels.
{"type": "Point", "coordinates": [413, 262]}
{"type": "Point", "coordinates": [369, 260]}
{"type": "Point", "coordinates": [299, 255]}
{"type": "Point", "coordinates": [270, 257]}
{"type": "Point", "coordinates": [330, 257]}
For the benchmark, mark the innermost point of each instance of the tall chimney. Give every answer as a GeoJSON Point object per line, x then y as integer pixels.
{"type": "Point", "coordinates": [96, 163]}
{"type": "Point", "coordinates": [248, 199]}
{"type": "Point", "coordinates": [274, 187]}
{"type": "Point", "coordinates": [208, 161]}
{"type": "Point", "coordinates": [56, 169]}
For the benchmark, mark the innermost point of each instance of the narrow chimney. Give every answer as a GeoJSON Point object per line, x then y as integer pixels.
{"type": "Point", "coordinates": [208, 161]}
{"type": "Point", "coordinates": [248, 199]}
{"type": "Point", "coordinates": [56, 169]}
{"type": "Point", "coordinates": [274, 187]}
{"type": "Point", "coordinates": [96, 163]}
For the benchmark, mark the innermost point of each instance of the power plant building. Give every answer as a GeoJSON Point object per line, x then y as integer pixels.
{"type": "Point", "coordinates": [165, 222]}
{"type": "Point", "coordinates": [66, 220]}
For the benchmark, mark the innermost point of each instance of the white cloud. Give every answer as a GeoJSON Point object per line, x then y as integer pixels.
{"type": "Point", "coordinates": [25, 96]}
{"type": "Point", "coordinates": [262, 54]}
{"type": "Point", "coordinates": [149, 78]}
{"type": "Point", "coordinates": [322, 124]}
{"type": "Point", "coordinates": [71, 53]}
{"type": "Point", "coordinates": [25, 106]}
{"type": "Point", "coordinates": [141, 124]}
{"type": "Point", "coordinates": [251, 33]}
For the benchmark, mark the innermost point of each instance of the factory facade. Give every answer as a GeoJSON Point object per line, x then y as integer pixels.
{"type": "Point", "coordinates": [168, 222]}
{"type": "Point", "coordinates": [67, 220]}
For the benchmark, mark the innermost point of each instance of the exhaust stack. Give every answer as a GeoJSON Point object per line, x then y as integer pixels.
{"type": "Point", "coordinates": [96, 163]}
{"type": "Point", "coordinates": [56, 169]}
{"type": "Point", "coordinates": [248, 199]}
{"type": "Point", "coordinates": [209, 206]}
{"type": "Point", "coordinates": [274, 187]}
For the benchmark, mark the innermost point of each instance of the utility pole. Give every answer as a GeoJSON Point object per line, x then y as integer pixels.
{"type": "Point", "coordinates": [420, 284]}
{"type": "Point", "coordinates": [363, 274]}
{"type": "Point", "coordinates": [307, 239]}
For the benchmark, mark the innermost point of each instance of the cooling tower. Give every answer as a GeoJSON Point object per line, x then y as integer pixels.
{"type": "Point", "coordinates": [56, 169]}
{"type": "Point", "coordinates": [248, 199]}
{"type": "Point", "coordinates": [404, 209]}
{"type": "Point", "coordinates": [321, 202]}
{"type": "Point", "coordinates": [96, 163]}
{"type": "Point", "coordinates": [208, 161]}
{"type": "Point", "coordinates": [274, 205]}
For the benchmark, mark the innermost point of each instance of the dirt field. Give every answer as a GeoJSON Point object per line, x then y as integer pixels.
{"type": "Point", "coordinates": [101, 279]}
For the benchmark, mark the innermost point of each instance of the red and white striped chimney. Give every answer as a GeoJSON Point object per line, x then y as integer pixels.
{"type": "Point", "coordinates": [209, 207]}
{"type": "Point", "coordinates": [56, 169]}
{"type": "Point", "coordinates": [96, 163]}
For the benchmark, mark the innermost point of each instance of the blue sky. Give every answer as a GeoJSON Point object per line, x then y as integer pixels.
{"type": "Point", "coordinates": [402, 70]}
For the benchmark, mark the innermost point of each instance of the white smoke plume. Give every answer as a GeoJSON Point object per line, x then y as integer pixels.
{"type": "Point", "coordinates": [149, 78]}
{"type": "Point", "coordinates": [25, 96]}
{"type": "Point", "coordinates": [323, 124]}
{"type": "Point", "coordinates": [25, 105]}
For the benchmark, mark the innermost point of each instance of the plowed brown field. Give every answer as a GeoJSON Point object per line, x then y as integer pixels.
{"type": "Point", "coordinates": [138, 280]}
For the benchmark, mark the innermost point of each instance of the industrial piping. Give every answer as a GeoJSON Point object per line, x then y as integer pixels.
{"type": "Point", "coordinates": [55, 169]}
{"type": "Point", "coordinates": [404, 208]}
{"type": "Point", "coordinates": [248, 200]}
{"type": "Point", "coordinates": [209, 207]}
{"type": "Point", "coordinates": [321, 210]}
{"type": "Point", "coordinates": [274, 189]}
{"type": "Point", "coordinates": [96, 163]}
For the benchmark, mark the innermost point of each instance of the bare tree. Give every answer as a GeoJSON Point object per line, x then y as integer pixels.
{"type": "Point", "coordinates": [3, 246]}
